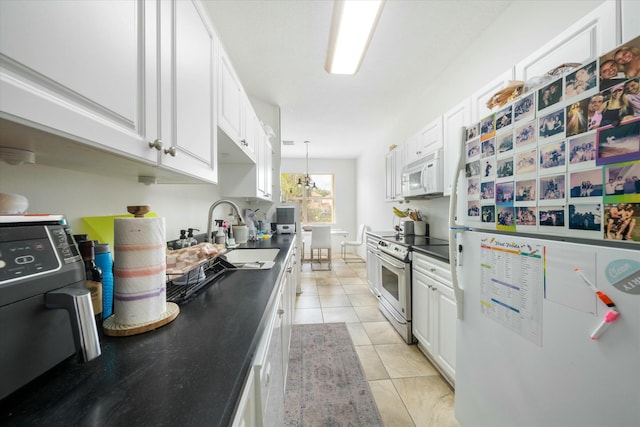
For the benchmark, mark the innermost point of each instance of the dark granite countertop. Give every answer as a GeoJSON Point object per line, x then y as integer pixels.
{"type": "Point", "coordinates": [189, 372]}
{"type": "Point", "coordinates": [437, 248]}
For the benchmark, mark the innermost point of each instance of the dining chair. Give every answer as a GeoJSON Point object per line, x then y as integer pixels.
{"type": "Point", "coordinates": [321, 239]}
{"type": "Point", "coordinates": [354, 243]}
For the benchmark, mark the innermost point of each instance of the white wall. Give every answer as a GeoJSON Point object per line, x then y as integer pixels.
{"type": "Point", "coordinates": [522, 28]}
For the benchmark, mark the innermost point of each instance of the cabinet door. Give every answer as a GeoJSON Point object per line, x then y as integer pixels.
{"type": "Point", "coordinates": [246, 410]}
{"type": "Point", "coordinates": [430, 138]}
{"type": "Point", "coordinates": [398, 164]}
{"type": "Point", "coordinates": [411, 148]}
{"type": "Point", "coordinates": [446, 321]}
{"type": "Point", "coordinates": [389, 163]}
{"type": "Point", "coordinates": [630, 23]}
{"type": "Point", "coordinates": [85, 70]}
{"type": "Point", "coordinates": [586, 39]}
{"type": "Point", "coordinates": [249, 128]}
{"type": "Point", "coordinates": [453, 122]}
{"type": "Point", "coordinates": [230, 101]}
{"type": "Point", "coordinates": [422, 315]}
{"type": "Point", "coordinates": [268, 170]}
{"type": "Point", "coordinates": [373, 269]}
{"type": "Point", "coordinates": [188, 90]}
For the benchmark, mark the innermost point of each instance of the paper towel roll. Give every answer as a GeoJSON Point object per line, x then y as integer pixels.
{"type": "Point", "coordinates": [139, 270]}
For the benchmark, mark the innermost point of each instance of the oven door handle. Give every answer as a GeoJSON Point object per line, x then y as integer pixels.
{"type": "Point", "coordinates": [390, 261]}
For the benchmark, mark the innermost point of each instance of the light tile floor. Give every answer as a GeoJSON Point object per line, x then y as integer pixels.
{"type": "Point", "coordinates": [408, 390]}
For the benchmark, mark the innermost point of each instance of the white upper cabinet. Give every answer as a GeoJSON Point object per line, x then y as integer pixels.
{"type": "Point", "coordinates": [586, 39]}
{"type": "Point", "coordinates": [428, 140]}
{"type": "Point", "coordinates": [394, 161]}
{"type": "Point", "coordinates": [85, 70]}
{"type": "Point", "coordinates": [188, 99]}
{"type": "Point", "coordinates": [630, 19]}
{"type": "Point", "coordinates": [230, 101]}
{"type": "Point", "coordinates": [453, 122]}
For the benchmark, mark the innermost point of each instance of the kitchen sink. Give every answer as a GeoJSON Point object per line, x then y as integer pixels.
{"type": "Point", "coordinates": [252, 258]}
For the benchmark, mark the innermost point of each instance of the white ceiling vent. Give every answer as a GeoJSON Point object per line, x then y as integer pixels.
{"type": "Point", "coordinates": [287, 142]}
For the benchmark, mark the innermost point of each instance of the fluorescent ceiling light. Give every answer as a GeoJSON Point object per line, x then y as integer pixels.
{"type": "Point", "coordinates": [351, 30]}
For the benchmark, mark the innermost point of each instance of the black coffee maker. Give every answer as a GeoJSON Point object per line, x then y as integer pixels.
{"type": "Point", "coordinates": [45, 306]}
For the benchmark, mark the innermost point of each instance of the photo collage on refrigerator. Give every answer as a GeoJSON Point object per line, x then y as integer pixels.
{"type": "Point", "coordinates": [564, 158]}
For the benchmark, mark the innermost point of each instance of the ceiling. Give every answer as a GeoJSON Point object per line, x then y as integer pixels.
{"type": "Point", "coordinates": [278, 48]}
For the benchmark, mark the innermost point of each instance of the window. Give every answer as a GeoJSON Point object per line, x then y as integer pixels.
{"type": "Point", "coordinates": [316, 204]}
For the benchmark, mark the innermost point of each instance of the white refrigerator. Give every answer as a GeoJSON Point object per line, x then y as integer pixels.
{"type": "Point", "coordinates": [547, 283]}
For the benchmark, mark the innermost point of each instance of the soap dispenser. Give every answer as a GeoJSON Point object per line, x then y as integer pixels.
{"type": "Point", "coordinates": [191, 241]}
{"type": "Point", "coordinates": [182, 241]}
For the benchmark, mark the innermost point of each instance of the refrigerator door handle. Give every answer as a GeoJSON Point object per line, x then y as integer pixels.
{"type": "Point", "coordinates": [454, 229]}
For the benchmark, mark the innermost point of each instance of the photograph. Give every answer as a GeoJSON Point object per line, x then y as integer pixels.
{"type": "Point", "coordinates": [473, 149]}
{"type": "Point", "coordinates": [472, 169]}
{"type": "Point", "coordinates": [552, 216]}
{"type": "Point", "coordinates": [621, 221]}
{"type": "Point", "coordinates": [526, 190]}
{"type": "Point", "coordinates": [524, 108]}
{"type": "Point", "coordinates": [526, 162]}
{"type": "Point", "coordinates": [488, 213]}
{"type": "Point", "coordinates": [525, 216]}
{"type": "Point", "coordinates": [505, 142]}
{"type": "Point", "coordinates": [504, 192]}
{"type": "Point", "coordinates": [617, 144]}
{"type": "Point", "coordinates": [585, 183]}
{"type": "Point", "coordinates": [552, 155]}
{"type": "Point", "coordinates": [505, 167]}
{"type": "Point", "coordinates": [577, 117]}
{"type": "Point", "coordinates": [582, 149]}
{"type": "Point", "coordinates": [473, 208]}
{"type": "Point", "coordinates": [488, 166]}
{"type": "Point", "coordinates": [488, 147]}
{"type": "Point", "coordinates": [473, 131]}
{"type": "Point", "coordinates": [618, 105]}
{"type": "Point", "coordinates": [550, 94]}
{"type": "Point", "coordinates": [504, 117]}
{"type": "Point", "coordinates": [620, 64]}
{"type": "Point", "coordinates": [487, 191]}
{"type": "Point", "coordinates": [506, 216]}
{"type": "Point", "coordinates": [632, 95]}
{"type": "Point", "coordinates": [585, 217]}
{"type": "Point", "coordinates": [526, 134]}
{"type": "Point", "coordinates": [473, 187]}
{"type": "Point", "coordinates": [581, 80]}
{"type": "Point", "coordinates": [551, 125]}
{"type": "Point", "coordinates": [594, 113]}
{"type": "Point", "coordinates": [488, 127]}
{"type": "Point", "coordinates": [622, 179]}
{"type": "Point", "coordinates": [552, 187]}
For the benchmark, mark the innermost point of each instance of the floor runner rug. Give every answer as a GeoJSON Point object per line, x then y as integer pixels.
{"type": "Point", "coordinates": [326, 385]}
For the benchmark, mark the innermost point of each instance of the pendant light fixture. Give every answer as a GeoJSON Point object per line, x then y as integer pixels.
{"type": "Point", "coordinates": [306, 182]}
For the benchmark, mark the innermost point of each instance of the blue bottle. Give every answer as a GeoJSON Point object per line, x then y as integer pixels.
{"type": "Point", "coordinates": [105, 262]}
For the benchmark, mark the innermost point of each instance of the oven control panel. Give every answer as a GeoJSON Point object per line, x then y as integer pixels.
{"type": "Point", "coordinates": [395, 250]}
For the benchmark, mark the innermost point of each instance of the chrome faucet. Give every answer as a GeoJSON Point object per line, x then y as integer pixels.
{"type": "Point", "coordinates": [212, 208]}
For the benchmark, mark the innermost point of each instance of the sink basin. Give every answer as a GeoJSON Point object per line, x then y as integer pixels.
{"type": "Point", "coordinates": [252, 258]}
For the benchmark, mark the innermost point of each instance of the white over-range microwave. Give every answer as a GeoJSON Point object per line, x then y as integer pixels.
{"type": "Point", "coordinates": [424, 177]}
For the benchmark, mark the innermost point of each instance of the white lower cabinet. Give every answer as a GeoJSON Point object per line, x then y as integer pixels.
{"type": "Point", "coordinates": [373, 266]}
{"type": "Point", "coordinates": [246, 410]}
{"type": "Point", "coordinates": [434, 313]}
{"type": "Point", "coordinates": [262, 401]}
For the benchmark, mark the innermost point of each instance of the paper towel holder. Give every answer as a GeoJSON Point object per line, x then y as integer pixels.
{"type": "Point", "coordinates": [139, 211]}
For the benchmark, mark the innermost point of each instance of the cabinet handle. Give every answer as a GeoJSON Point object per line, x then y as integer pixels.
{"type": "Point", "coordinates": [280, 312]}
{"type": "Point", "coordinates": [157, 144]}
{"type": "Point", "coordinates": [433, 270]}
{"type": "Point", "coordinates": [171, 151]}
{"type": "Point", "coordinates": [244, 142]}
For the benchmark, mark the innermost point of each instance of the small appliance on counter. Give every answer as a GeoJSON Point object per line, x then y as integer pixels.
{"type": "Point", "coordinates": [286, 220]}
{"type": "Point", "coordinates": [45, 306]}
